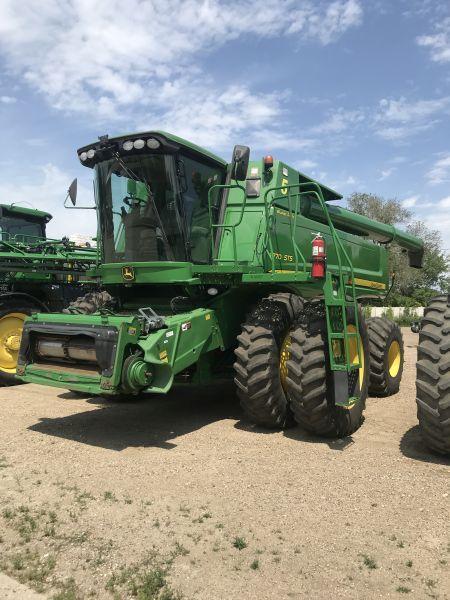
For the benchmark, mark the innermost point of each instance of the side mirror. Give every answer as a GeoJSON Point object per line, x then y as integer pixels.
{"type": "Point", "coordinates": [73, 191]}
{"type": "Point", "coordinates": [241, 157]}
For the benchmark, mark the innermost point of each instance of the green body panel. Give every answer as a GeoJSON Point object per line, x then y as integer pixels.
{"type": "Point", "coordinates": [261, 246]}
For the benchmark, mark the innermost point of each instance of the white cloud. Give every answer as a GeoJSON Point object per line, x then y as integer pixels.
{"type": "Point", "coordinates": [384, 174]}
{"type": "Point", "coordinates": [440, 171]}
{"type": "Point", "coordinates": [400, 119]}
{"type": "Point", "coordinates": [46, 190]}
{"type": "Point", "coordinates": [445, 202]}
{"type": "Point", "coordinates": [410, 202]}
{"type": "Point", "coordinates": [140, 61]}
{"type": "Point", "coordinates": [438, 42]}
{"type": "Point", "coordinates": [306, 165]}
{"type": "Point", "coordinates": [338, 121]}
{"type": "Point", "coordinates": [8, 99]}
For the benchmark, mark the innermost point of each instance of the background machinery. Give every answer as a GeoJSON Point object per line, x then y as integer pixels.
{"type": "Point", "coordinates": [209, 268]}
{"type": "Point", "coordinates": [36, 275]}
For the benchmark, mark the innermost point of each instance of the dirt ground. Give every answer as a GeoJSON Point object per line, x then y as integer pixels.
{"type": "Point", "coordinates": [180, 497]}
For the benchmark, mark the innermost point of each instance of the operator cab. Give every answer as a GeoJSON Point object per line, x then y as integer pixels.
{"type": "Point", "coordinates": [22, 225]}
{"type": "Point", "coordinates": [152, 193]}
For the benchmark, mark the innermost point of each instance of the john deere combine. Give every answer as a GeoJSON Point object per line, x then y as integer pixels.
{"type": "Point", "coordinates": [36, 275]}
{"type": "Point", "coordinates": [209, 268]}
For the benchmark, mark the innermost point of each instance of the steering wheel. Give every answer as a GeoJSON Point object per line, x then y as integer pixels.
{"type": "Point", "coordinates": [127, 201]}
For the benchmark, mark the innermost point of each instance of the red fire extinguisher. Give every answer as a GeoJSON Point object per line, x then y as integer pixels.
{"type": "Point", "coordinates": [318, 257]}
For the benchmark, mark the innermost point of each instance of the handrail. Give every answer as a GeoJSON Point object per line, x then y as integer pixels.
{"type": "Point", "coordinates": [340, 248]}
{"type": "Point", "coordinates": [224, 226]}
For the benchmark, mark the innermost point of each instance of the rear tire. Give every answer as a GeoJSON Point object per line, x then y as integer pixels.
{"type": "Point", "coordinates": [386, 356]}
{"type": "Point", "coordinates": [310, 385]}
{"type": "Point", "coordinates": [11, 325]}
{"type": "Point", "coordinates": [261, 360]}
{"type": "Point", "coordinates": [433, 376]}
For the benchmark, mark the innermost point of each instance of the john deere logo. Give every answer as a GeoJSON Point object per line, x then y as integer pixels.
{"type": "Point", "coordinates": [128, 273]}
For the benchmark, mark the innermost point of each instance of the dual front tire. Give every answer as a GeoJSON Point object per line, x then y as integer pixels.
{"type": "Point", "coordinates": [282, 371]}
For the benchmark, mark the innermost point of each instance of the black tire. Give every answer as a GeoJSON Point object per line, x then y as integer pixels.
{"type": "Point", "coordinates": [386, 356]}
{"type": "Point", "coordinates": [8, 356]}
{"type": "Point", "coordinates": [433, 375]}
{"type": "Point", "coordinates": [310, 384]}
{"type": "Point", "coordinates": [257, 366]}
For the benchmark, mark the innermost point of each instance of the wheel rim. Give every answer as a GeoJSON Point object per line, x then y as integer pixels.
{"type": "Point", "coordinates": [11, 326]}
{"type": "Point", "coordinates": [394, 358]}
{"type": "Point", "coordinates": [285, 355]}
{"type": "Point", "coordinates": [353, 354]}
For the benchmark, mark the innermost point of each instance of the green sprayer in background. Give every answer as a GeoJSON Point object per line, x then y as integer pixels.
{"type": "Point", "coordinates": [36, 275]}
{"type": "Point", "coordinates": [208, 269]}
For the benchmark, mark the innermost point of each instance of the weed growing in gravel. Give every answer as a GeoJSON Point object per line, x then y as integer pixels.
{"type": "Point", "coordinates": [240, 543]}
{"type": "Point", "coordinates": [400, 544]}
{"type": "Point", "coordinates": [109, 496]}
{"type": "Point", "coordinates": [409, 563]}
{"type": "Point", "coordinates": [145, 581]}
{"type": "Point", "coordinates": [180, 550]}
{"type": "Point", "coordinates": [3, 463]}
{"type": "Point", "coordinates": [254, 565]}
{"type": "Point", "coordinates": [403, 590]}
{"type": "Point", "coordinates": [68, 590]}
{"type": "Point", "coordinates": [369, 562]}
{"type": "Point", "coordinates": [29, 567]}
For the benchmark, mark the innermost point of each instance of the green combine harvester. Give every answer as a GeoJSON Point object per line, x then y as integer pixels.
{"type": "Point", "coordinates": [36, 275]}
{"type": "Point", "coordinates": [210, 269]}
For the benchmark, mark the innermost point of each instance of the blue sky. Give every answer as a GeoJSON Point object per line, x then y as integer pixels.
{"type": "Point", "coordinates": [355, 93]}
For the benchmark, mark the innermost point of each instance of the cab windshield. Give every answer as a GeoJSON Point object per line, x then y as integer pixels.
{"type": "Point", "coordinates": [154, 207]}
{"type": "Point", "coordinates": [16, 229]}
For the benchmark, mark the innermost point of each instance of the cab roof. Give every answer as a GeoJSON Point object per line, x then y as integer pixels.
{"type": "Point", "coordinates": [27, 212]}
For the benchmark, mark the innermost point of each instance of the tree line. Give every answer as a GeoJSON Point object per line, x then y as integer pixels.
{"type": "Point", "coordinates": [412, 287]}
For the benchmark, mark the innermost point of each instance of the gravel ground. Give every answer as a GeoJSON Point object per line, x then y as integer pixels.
{"type": "Point", "coordinates": [180, 497]}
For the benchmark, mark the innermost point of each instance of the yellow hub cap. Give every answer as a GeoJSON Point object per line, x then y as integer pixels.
{"type": "Point", "coordinates": [394, 358]}
{"type": "Point", "coordinates": [285, 355]}
{"type": "Point", "coordinates": [11, 326]}
{"type": "Point", "coordinates": [353, 353]}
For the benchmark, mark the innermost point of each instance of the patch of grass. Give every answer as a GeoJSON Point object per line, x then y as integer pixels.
{"type": "Point", "coordinates": [369, 562]}
{"type": "Point", "coordinates": [7, 513]}
{"type": "Point", "coordinates": [254, 565]}
{"type": "Point", "coordinates": [3, 462]}
{"type": "Point", "coordinates": [403, 590]}
{"type": "Point", "coordinates": [29, 568]}
{"type": "Point", "coordinates": [82, 498]}
{"type": "Point", "coordinates": [109, 496]}
{"type": "Point", "coordinates": [68, 590]}
{"type": "Point", "coordinates": [240, 543]}
{"type": "Point", "coordinates": [49, 531]}
{"type": "Point", "coordinates": [147, 581]}
{"type": "Point", "coordinates": [180, 550]}
{"type": "Point", "coordinates": [409, 563]}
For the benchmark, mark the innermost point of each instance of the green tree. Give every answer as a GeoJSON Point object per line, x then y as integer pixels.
{"type": "Point", "coordinates": [412, 287]}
